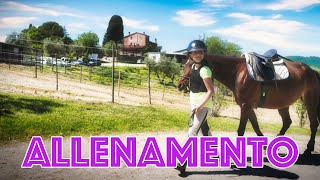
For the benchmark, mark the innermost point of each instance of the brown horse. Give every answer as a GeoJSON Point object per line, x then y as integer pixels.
{"type": "Point", "coordinates": [303, 83]}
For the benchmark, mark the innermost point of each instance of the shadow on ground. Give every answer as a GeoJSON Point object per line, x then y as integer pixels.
{"type": "Point", "coordinates": [266, 171]}
{"type": "Point", "coordinates": [10, 105]}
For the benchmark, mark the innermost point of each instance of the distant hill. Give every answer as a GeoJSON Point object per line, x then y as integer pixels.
{"type": "Point", "coordinates": [311, 61]}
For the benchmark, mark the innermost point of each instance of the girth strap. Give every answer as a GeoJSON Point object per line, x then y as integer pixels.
{"type": "Point", "coordinates": [264, 93]}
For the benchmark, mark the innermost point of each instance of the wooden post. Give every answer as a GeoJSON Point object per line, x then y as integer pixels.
{"type": "Point", "coordinates": [164, 88]}
{"type": "Point", "coordinates": [119, 83]}
{"type": "Point", "coordinates": [41, 61]}
{"type": "Point", "coordinates": [80, 73]}
{"type": "Point", "coordinates": [35, 66]}
{"type": "Point", "coordinates": [57, 83]}
{"type": "Point", "coordinates": [112, 100]}
{"type": "Point", "coordinates": [149, 88]}
{"type": "Point", "coordinates": [65, 67]}
{"type": "Point", "coordinates": [9, 60]}
{"type": "Point", "coordinates": [90, 72]}
{"type": "Point", "coordinates": [21, 57]}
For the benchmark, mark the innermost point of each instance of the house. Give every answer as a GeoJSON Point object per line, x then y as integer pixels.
{"type": "Point", "coordinates": [154, 56]}
{"type": "Point", "coordinates": [138, 43]}
{"type": "Point", "coordinates": [10, 52]}
{"type": "Point", "coordinates": [180, 56]}
{"type": "Point", "coordinates": [16, 54]}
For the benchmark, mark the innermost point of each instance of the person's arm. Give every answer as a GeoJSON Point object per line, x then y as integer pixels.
{"type": "Point", "coordinates": [210, 91]}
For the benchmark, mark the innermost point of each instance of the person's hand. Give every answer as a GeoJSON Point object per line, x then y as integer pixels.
{"type": "Point", "coordinates": [197, 109]}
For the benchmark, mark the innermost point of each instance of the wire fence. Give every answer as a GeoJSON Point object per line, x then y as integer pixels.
{"type": "Point", "coordinates": [119, 76]}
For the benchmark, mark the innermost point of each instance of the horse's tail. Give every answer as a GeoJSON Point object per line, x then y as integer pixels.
{"type": "Point", "coordinates": [318, 109]}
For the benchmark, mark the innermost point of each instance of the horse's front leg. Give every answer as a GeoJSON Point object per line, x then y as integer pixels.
{"type": "Point", "coordinates": [286, 120]}
{"type": "Point", "coordinates": [245, 110]}
{"type": "Point", "coordinates": [254, 122]}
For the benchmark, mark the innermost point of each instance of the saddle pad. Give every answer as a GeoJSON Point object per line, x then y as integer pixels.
{"type": "Point", "coordinates": [281, 70]}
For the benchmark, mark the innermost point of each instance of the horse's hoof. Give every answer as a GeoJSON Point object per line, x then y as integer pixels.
{"type": "Point", "coordinates": [264, 148]}
{"type": "Point", "coordinates": [279, 134]}
{"type": "Point", "coordinates": [181, 168]}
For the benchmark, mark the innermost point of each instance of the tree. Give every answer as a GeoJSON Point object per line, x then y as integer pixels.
{"type": "Point", "coordinates": [166, 67]}
{"type": "Point", "coordinates": [114, 31]}
{"type": "Point", "coordinates": [108, 48]}
{"type": "Point", "coordinates": [33, 35]}
{"type": "Point", "coordinates": [51, 29]}
{"type": "Point", "coordinates": [66, 38]}
{"type": "Point", "coordinates": [77, 49]}
{"type": "Point", "coordinates": [90, 42]}
{"type": "Point", "coordinates": [218, 46]}
{"type": "Point", "coordinates": [13, 38]}
{"type": "Point", "coordinates": [54, 46]}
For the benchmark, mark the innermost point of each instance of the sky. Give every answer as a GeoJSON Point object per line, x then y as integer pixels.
{"type": "Point", "coordinates": [290, 26]}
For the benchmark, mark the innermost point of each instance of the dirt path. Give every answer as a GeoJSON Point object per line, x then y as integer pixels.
{"type": "Point", "coordinates": [11, 157]}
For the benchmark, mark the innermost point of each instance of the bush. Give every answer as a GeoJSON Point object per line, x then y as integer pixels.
{"type": "Point", "coordinates": [302, 112]}
{"type": "Point", "coordinates": [218, 99]}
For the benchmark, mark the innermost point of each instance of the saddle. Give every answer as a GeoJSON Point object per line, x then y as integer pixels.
{"type": "Point", "coordinates": [267, 67]}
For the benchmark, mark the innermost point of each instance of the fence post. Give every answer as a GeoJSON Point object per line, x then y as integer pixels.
{"type": "Point", "coordinates": [119, 83]}
{"type": "Point", "coordinates": [41, 61]}
{"type": "Point", "coordinates": [21, 57]}
{"type": "Point", "coordinates": [164, 88]}
{"type": "Point", "coordinates": [65, 67]}
{"type": "Point", "coordinates": [80, 73]}
{"type": "Point", "coordinates": [35, 64]}
{"type": "Point", "coordinates": [9, 60]}
{"type": "Point", "coordinates": [90, 72]}
{"type": "Point", "coordinates": [112, 100]}
{"type": "Point", "coordinates": [57, 83]}
{"type": "Point", "coordinates": [149, 89]}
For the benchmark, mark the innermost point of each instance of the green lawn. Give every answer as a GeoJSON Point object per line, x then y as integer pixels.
{"type": "Point", "coordinates": [22, 117]}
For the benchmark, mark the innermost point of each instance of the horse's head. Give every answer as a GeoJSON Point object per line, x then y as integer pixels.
{"type": "Point", "coordinates": [184, 79]}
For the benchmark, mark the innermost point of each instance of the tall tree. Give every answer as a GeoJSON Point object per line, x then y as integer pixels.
{"type": "Point", "coordinates": [51, 30]}
{"type": "Point", "coordinates": [114, 31]}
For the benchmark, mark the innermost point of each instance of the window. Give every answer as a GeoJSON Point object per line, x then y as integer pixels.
{"type": "Point", "coordinates": [16, 50]}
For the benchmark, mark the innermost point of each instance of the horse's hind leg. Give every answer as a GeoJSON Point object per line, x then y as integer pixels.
{"type": "Point", "coordinates": [245, 111]}
{"type": "Point", "coordinates": [312, 104]}
{"type": "Point", "coordinates": [254, 122]}
{"type": "Point", "coordinates": [286, 120]}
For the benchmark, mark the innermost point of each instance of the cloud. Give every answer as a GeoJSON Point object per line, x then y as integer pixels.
{"type": "Point", "coordinates": [219, 3]}
{"type": "Point", "coordinates": [243, 17]}
{"type": "Point", "coordinates": [193, 18]}
{"type": "Point", "coordinates": [139, 24]}
{"type": "Point", "coordinates": [77, 28]}
{"type": "Point", "coordinates": [272, 32]}
{"type": "Point", "coordinates": [276, 16]}
{"type": "Point", "coordinates": [15, 22]}
{"type": "Point", "coordinates": [290, 4]}
{"type": "Point", "coordinates": [10, 5]}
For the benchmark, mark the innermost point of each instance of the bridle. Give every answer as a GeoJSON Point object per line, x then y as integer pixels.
{"type": "Point", "coordinates": [186, 77]}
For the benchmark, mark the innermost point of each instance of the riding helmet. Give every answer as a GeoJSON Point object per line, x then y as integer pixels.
{"type": "Point", "coordinates": [196, 45]}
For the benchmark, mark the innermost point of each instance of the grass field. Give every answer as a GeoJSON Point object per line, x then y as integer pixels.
{"type": "Point", "coordinates": [22, 117]}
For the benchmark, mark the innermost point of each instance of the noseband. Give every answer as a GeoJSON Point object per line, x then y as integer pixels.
{"type": "Point", "coordinates": [186, 77]}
